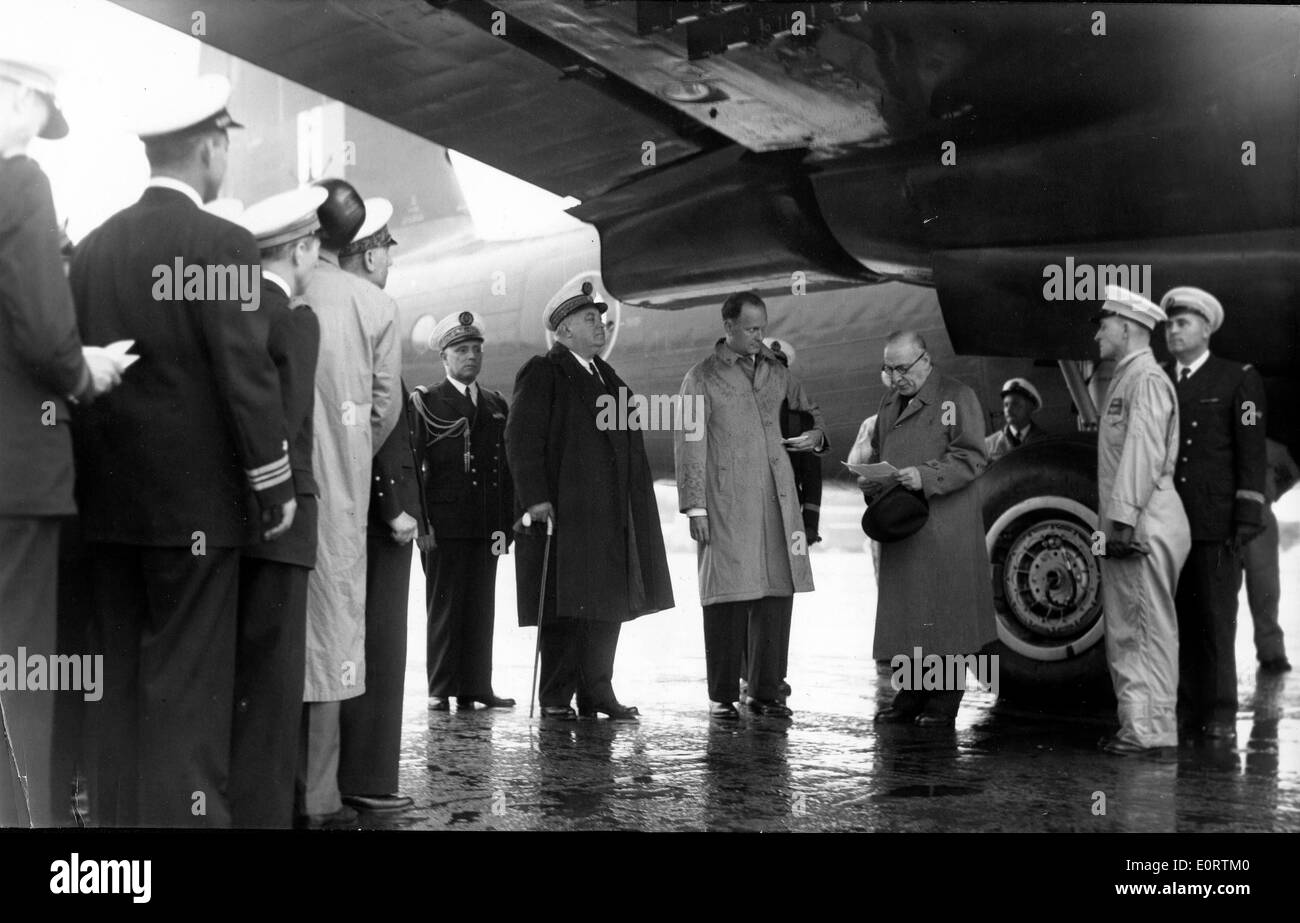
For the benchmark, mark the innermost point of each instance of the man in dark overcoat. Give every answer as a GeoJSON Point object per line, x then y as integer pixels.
{"type": "Point", "coordinates": [935, 591]}
{"type": "Point", "coordinates": [607, 562]}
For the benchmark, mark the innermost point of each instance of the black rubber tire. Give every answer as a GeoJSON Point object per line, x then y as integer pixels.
{"type": "Point", "coordinates": [1064, 466]}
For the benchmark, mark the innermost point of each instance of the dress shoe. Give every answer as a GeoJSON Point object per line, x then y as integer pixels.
{"type": "Point", "coordinates": [1117, 746]}
{"type": "Point", "coordinates": [559, 713]}
{"type": "Point", "coordinates": [343, 817]}
{"type": "Point", "coordinates": [769, 709]}
{"type": "Point", "coordinates": [782, 693]}
{"type": "Point", "coordinates": [1220, 732]}
{"type": "Point", "coordinates": [491, 700]}
{"type": "Point", "coordinates": [893, 715]}
{"type": "Point", "coordinates": [935, 721]}
{"type": "Point", "coordinates": [723, 710]}
{"type": "Point", "coordinates": [615, 710]}
{"type": "Point", "coordinates": [378, 802]}
{"type": "Point", "coordinates": [1274, 665]}
{"type": "Point", "coordinates": [439, 703]}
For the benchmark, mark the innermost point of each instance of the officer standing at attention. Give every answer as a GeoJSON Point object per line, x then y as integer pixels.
{"type": "Point", "coordinates": [1146, 532]}
{"type": "Point", "coordinates": [42, 366]}
{"type": "Point", "coordinates": [461, 452]}
{"type": "Point", "coordinates": [371, 724]}
{"type": "Point", "coordinates": [1220, 477]}
{"type": "Point", "coordinates": [270, 651]}
{"type": "Point", "coordinates": [166, 464]}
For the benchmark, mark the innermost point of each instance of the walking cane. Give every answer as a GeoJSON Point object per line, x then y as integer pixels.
{"type": "Point", "coordinates": [541, 605]}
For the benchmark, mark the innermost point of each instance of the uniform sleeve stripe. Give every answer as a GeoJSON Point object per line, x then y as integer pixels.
{"type": "Point", "coordinates": [268, 483]}
{"type": "Point", "coordinates": [1251, 495]}
{"type": "Point", "coordinates": [272, 467]}
{"type": "Point", "coordinates": [270, 475]}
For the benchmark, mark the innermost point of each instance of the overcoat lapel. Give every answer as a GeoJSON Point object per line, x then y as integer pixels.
{"type": "Point", "coordinates": [921, 398]}
{"type": "Point", "coordinates": [586, 384]}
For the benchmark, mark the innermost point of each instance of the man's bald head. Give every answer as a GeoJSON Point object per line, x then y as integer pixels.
{"type": "Point", "coordinates": [906, 338]}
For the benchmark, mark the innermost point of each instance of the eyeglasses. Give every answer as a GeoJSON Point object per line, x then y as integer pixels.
{"type": "Point", "coordinates": [902, 369]}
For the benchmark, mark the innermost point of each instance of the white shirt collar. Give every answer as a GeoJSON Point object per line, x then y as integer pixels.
{"type": "Point", "coordinates": [585, 363]}
{"type": "Point", "coordinates": [1194, 367]}
{"type": "Point", "coordinates": [465, 389]}
{"type": "Point", "coordinates": [171, 182]}
{"type": "Point", "coordinates": [1019, 433]}
{"type": "Point", "coordinates": [284, 286]}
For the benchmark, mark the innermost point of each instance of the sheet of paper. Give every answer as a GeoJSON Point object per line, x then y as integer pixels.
{"type": "Point", "coordinates": [120, 351]}
{"type": "Point", "coordinates": [880, 472]}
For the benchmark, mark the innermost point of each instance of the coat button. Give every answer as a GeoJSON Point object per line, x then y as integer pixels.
{"type": "Point", "coordinates": [243, 704]}
{"type": "Point", "coordinates": [1189, 442]}
{"type": "Point", "coordinates": [1193, 423]}
{"type": "Point", "coordinates": [1184, 458]}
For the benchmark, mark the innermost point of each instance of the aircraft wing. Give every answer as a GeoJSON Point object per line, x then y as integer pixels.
{"type": "Point", "coordinates": [439, 72]}
{"type": "Point", "coordinates": [779, 145]}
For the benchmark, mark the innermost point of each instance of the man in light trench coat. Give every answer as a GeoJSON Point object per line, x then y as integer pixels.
{"type": "Point", "coordinates": [753, 550]}
{"type": "Point", "coordinates": [358, 403]}
{"type": "Point", "coordinates": [1147, 537]}
{"type": "Point", "coordinates": [935, 595]}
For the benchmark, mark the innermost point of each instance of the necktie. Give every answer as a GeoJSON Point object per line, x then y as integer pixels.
{"type": "Point", "coordinates": [595, 373]}
{"type": "Point", "coordinates": [1185, 374]}
{"type": "Point", "coordinates": [472, 392]}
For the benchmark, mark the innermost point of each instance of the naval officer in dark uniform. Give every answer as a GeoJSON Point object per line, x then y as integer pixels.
{"type": "Point", "coordinates": [270, 654]}
{"type": "Point", "coordinates": [1220, 478]}
{"type": "Point", "coordinates": [1020, 401]}
{"type": "Point", "coordinates": [370, 725]}
{"type": "Point", "coordinates": [166, 465]}
{"type": "Point", "coordinates": [460, 449]}
{"type": "Point", "coordinates": [43, 367]}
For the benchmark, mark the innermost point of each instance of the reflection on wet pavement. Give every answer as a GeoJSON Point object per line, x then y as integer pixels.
{"type": "Point", "coordinates": [1002, 768]}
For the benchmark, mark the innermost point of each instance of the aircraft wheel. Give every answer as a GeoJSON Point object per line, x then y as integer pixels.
{"type": "Point", "coordinates": [1040, 513]}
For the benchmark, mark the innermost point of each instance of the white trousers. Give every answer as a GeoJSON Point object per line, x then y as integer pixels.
{"type": "Point", "coordinates": [1137, 595]}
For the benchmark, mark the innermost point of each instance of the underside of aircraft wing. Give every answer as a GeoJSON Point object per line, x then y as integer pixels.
{"type": "Point", "coordinates": [777, 145]}
{"type": "Point", "coordinates": [439, 72]}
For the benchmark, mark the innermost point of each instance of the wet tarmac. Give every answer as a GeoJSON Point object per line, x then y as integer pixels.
{"type": "Point", "coordinates": [829, 768]}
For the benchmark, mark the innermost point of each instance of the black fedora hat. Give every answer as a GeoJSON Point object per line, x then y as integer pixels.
{"type": "Point", "coordinates": [341, 214]}
{"type": "Point", "coordinates": [896, 514]}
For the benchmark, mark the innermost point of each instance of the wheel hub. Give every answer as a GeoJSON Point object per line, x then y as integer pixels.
{"type": "Point", "coordinates": [1051, 579]}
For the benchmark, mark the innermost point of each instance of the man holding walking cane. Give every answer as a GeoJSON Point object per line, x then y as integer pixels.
{"type": "Point", "coordinates": [605, 564]}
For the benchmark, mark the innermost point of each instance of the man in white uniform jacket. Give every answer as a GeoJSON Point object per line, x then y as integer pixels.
{"type": "Point", "coordinates": [1147, 537]}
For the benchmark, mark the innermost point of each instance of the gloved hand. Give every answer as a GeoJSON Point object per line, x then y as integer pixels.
{"type": "Point", "coordinates": [1244, 534]}
{"type": "Point", "coordinates": [1119, 540]}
